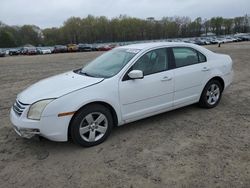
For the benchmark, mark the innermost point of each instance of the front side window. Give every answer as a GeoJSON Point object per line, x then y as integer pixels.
{"type": "Point", "coordinates": [152, 62]}
{"type": "Point", "coordinates": [185, 56]}
{"type": "Point", "coordinates": [110, 63]}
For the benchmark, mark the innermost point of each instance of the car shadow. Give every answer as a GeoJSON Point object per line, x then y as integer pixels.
{"type": "Point", "coordinates": [119, 131]}
{"type": "Point", "coordinates": [156, 121]}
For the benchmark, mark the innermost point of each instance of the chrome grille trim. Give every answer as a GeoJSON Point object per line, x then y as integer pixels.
{"type": "Point", "coordinates": [19, 107]}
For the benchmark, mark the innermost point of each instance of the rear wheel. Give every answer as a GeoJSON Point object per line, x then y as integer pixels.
{"type": "Point", "coordinates": [91, 125]}
{"type": "Point", "coordinates": [211, 94]}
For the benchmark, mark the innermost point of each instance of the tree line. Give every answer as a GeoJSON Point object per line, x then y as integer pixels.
{"type": "Point", "coordinates": [93, 29]}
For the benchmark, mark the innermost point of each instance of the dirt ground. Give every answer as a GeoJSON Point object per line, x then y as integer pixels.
{"type": "Point", "coordinates": [188, 147]}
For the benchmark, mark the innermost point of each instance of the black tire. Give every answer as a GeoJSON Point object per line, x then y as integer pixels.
{"type": "Point", "coordinates": [80, 121]}
{"type": "Point", "coordinates": [204, 99]}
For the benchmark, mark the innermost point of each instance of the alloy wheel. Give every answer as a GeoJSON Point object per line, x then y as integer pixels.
{"type": "Point", "coordinates": [213, 94]}
{"type": "Point", "coordinates": [93, 126]}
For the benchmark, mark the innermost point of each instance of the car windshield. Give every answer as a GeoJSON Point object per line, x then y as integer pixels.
{"type": "Point", "coordinates": [109, 64]}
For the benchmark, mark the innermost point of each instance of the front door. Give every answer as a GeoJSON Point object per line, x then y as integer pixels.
{"type": "Point", "coordinates": [152, 93]}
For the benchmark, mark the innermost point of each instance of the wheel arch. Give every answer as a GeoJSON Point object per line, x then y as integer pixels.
{"type": "Point", "coordinates": [219, 79]}
{"type": "Point", "coordinates": [201, 99]}
{"type": "Point", "coordinates": [105, 104]}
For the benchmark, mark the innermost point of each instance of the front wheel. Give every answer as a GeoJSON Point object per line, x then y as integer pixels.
{"type": "Point", "coordinates": [91, 125]}
{"type": "Point", "coordinates": [211, 94]}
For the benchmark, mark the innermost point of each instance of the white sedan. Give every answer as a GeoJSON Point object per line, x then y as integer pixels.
{"type": "Point", "coordinates": [123, 85]}
{"type": "Point", "coordinates": [44, 50]}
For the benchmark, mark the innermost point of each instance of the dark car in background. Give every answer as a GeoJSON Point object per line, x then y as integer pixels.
{"type": "Point", "coordinates": [84, 47]}
{"type": "Point", "coordinates": [29, 51]}
{"type": "Point", "coordinates": [15, 51]}
{"type": "Point", "coordinates": [60, 49]}
{"type": "Point", "coordinates": [2, 53]}
{"type": "Point", "coordinates": [200, 42]}
{"type": "Point", "coordinates": [245, 38]}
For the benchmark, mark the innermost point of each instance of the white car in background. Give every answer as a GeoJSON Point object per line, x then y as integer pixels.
{"type": "Point", "coordinates": [44, 50]}
{"type": "Point", "coordinates": [123, 85]}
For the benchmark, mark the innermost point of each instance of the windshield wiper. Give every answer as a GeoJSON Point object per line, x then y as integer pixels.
{"type": "Point", "coordinates": [86, 74]}
{"type": "Point", "coordinates": [79, 71]}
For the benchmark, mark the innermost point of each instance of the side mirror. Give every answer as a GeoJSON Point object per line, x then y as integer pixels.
{"type": "Point", "coordinates": [135, 74]}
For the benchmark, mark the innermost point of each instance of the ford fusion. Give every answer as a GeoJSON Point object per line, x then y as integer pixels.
{"type": "Point", "coordinates": [123, 85]}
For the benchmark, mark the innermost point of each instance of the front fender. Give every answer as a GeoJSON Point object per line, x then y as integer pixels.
{"type": "Point", "coordinates": [72, 102]}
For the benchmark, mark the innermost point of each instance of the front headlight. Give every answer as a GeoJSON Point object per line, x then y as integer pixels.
{"type": "Point", "coordinates": [37, 108]}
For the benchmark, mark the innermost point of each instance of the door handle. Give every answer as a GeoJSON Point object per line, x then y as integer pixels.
{"type": "Point", "coordinates": [204, 69]}
{"type": "Point", "coordinates": [166, 78]}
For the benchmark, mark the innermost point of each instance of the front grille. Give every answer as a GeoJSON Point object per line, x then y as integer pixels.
{"type": "Point", "coordinates": [19, 107]}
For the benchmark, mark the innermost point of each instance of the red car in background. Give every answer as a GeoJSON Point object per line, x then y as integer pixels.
{"type": "Point", "coordinates": [103, 48]}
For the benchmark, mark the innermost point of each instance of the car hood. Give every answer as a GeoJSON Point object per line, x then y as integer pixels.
{"type": "Point", "coordinates": [56, 86]}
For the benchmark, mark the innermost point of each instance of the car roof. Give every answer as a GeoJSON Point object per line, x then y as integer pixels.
{"type": "Point", "coordinates": [145, 46]}
{"type": "Point", "coordinates": [148, 46]}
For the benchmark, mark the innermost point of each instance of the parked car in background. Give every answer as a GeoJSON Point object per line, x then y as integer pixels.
{"type": "Point", "coordinates": [2, 53]}
{"type": "Point", "coordinates": [199, 42]}
{"type": "Point", "coordinates": [52, 48]}
{"type": "Point", "coordinates": [72, 48]}
{"type": "Point", "coordinates": [231, 39]}
{"type": "Point", "coordinates": [23, 50]}
{"type": "Point", "coordinates": [15, 51]}
{"type": "Point", "coordinates": [84, 47]}
{"type": "Point", "coordinates": [104, 48]}
{"type": "Point", "coordinates": [60, 49]}
{"type": "Point", "coordinates": [245, 38]}
{"type": "Point", "coordinates": [94, 47]}
{"type": "Point", "coordinates": [43, 50]}
{"type": "Point", "coordinates": [28, 51]}
{"type": "Point", "coordinates": [123, 85]}
{"type": "Point", "coordinates": [214, 40]}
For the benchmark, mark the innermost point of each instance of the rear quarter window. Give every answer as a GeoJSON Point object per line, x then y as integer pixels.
{"type": "Point", "coordinates": [202, 58]}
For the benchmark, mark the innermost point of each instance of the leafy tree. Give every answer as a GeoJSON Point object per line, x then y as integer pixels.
{"type": "Point", "coordinates": [238, 22]}
{"type": "Point", "coordinates": [246, 23]}
{"type": "Point", "coordinates": [216, 24]}
{"type": "Point", "coordinates": [93, 29]}
{"type": "Point", "coordinates": [29, 35]}
{"type": "Point", "coordinates": [228, 24]}
{"type": "Point", "coordinates": [6, 39]}
{"type": "Point", "coordinates": [53, 36]}
{"type": "Point", "coordinates": [72, 29]}
{"type": "Point", "coordinates": [206, 26]}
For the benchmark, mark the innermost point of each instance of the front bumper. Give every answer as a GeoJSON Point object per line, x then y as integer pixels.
{"type": "Point", "coordinates": [26, 132]}
{"type": "Point", "coordinates": [51, 127]}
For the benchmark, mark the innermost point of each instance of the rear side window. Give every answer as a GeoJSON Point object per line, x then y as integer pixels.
{"type": "Point", "coordinates": [202, 58]}
{"type": "Point", "coordinates": [185, 56]}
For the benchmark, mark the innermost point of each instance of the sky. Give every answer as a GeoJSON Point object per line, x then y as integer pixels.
{"type": "Point", "coordinates": [52, 13]}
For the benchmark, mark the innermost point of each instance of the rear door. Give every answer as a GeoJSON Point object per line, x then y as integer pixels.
{"type": "Point", "coordinates": [192, 69]}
